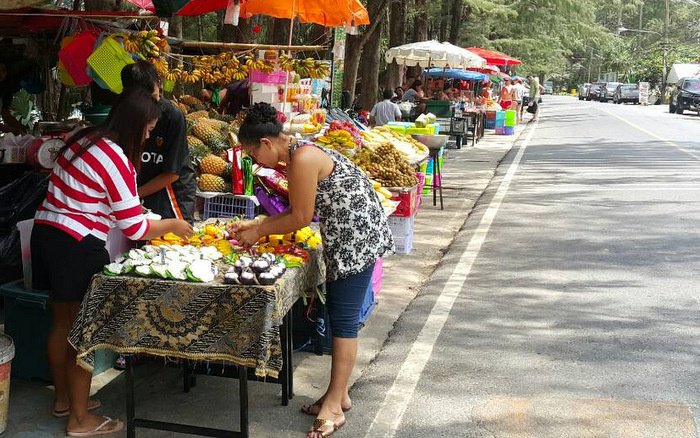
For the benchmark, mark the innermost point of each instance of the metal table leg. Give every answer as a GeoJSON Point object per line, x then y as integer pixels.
{"type": "Point", "coordinates": [436, 166]}
{"type": "Point", "coordinates": [130, 406]}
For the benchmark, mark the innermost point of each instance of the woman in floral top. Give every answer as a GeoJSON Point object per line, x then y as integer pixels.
{"type": "Point", "coordinates": [354, 230]}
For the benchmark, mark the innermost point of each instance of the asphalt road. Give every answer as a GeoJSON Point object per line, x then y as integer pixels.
{"type": "Point", "coordinates": [569, 305]}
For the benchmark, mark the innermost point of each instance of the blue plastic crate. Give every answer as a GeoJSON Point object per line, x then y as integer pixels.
{"type": "Point", "coordinates": [27, 321]}
{"type": "Point", "coordinates": [227, 206]}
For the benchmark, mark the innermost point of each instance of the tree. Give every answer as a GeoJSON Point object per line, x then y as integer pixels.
{"type": "Point", "coordinates": [397, 37]}
{"type": "Point", "coordinates": [355, 43]}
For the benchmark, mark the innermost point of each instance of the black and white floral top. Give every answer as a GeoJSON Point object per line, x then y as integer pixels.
{"type": "Point", "coordinates": [354, 227]}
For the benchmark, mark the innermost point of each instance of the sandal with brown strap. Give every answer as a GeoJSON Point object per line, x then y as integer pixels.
{"type": "Point", "coordinates": [316, 406]}
{"type": "Point", "coordinates": [323, 428]}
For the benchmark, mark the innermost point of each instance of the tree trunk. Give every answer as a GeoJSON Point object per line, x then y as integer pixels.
{"type": "Point", "coordinates": [420, 29]}
{"type": "Point", "coordinates": [175, 26]}
{"type": "Point", "coordinates": [243, 33]}
{"type": "Point", "coordinates": [355, 43]}
{"type": "Point", "coordinates": [280, 31]}
{"type": "Point", "coordinates": [100, 5]}
{"type": "Point", "coordinates": [369, 69]}
{"type": "Point", "coordinates": [397, 37]}
{"type": "Point", "coordinates": [444, 19]}
{"type": "Point", "coordinates": [456, 21]}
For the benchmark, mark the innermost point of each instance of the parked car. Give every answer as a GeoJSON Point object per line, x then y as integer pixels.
{"type": "Point", "coordinates": [548, 87]}
{"type": "Point", "coordinates": [583, 91]}
{"type": "Point", "coordinates": [685, 96]}
{"type": "Point", "coordinates": [595, 90]}
{"type": "Point", "coordinates": [626, 93]}
{"type": "Point", "coordinates": [607, 91]}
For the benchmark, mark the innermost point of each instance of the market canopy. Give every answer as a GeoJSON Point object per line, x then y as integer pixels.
{"type": "Point", "coordinates": [455, 73]}
{"type": "Point", "coordinates": [493, 57]}
{"type": "Point", "coordinates": [323, 12]}
{"type": "Point", "coordinates": [433, 54]}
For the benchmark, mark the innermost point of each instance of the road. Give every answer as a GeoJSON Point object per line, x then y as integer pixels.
{"type": "Point", "coordinates": [568, 306]}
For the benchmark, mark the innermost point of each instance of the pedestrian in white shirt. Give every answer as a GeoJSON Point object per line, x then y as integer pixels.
{"type": "Point", "coordinates": [520, 91]}
{"type": "Point", "coordinates": [385, 111]}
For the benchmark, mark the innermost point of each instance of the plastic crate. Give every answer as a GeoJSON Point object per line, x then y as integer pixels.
{"type": "Point", "coordinates": [27, 321]}
{"type": "Point", "coordinates": [404, 245]}
{"type": "Point", "coordinates": [227, 206]}
{"type": "Point", "coordinates": [400, 226]}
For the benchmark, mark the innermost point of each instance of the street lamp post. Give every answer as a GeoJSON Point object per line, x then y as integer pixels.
{"type": "Point", "coordinates": [664, 46]}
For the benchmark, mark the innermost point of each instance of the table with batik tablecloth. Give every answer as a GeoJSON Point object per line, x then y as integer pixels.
{"type": "Point", "coordinates": [234, 324]}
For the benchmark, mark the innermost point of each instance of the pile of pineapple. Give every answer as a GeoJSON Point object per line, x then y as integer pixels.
{"type": "Point", "coordinates": [209, 136]}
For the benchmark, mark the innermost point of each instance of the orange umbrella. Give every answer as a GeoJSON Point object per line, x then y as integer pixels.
{"type": "Point", "coordinates": [324, 12]}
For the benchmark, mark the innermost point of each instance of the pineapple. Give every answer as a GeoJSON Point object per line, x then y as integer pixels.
{"type": "Point", "coordinates": [197, 153]}
{"type": "Point", "coordinates": [197, 115]}
{"type": "Point", "coordinates": [184, 108]}
{"type": "Point", "coordinates": [208, 134]}
{"type": "Point", "coordinates": [211, 183]}
{"type": "Point", "coordinates": [213, 165]}
{"type": "Point", "coordinates": [228, 170]}
{"type": "Point", "coordinates": [190, 100]}
{"type": "Point", "coordinates": [189, 125]}
{"type": "Point", "coordinates": [194, 141]}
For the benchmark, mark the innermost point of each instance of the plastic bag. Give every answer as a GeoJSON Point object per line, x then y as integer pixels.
{"type": "Point", "coordinates": [532, 107]}
{"type": "Point", "coordinates": [20, 199]}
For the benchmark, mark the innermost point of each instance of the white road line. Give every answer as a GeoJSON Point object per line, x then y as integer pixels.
{"type": "Point", "coordinates": [656, 136]}
{"type": "Point", "coordinates": [389, 415]}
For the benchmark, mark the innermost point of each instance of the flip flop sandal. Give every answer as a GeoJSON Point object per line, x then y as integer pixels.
{"type": "Point", "coordinates": [324, 427]}
{"type": "Point", "coordinates": [307, 409]}
{"type": "Point", "coordinates": [101, 429]}
{"type": "Point", "coordinates": [92, 405]}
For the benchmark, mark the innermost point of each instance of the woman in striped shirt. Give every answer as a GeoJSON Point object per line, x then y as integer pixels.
{"type": "Point", "coordinates": [92, 189]}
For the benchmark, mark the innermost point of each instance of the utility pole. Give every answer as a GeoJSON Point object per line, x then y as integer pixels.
{"type": "Point", "coordinates": [667, 19]}
{"type": "Point", "coordinates": [590, 61]}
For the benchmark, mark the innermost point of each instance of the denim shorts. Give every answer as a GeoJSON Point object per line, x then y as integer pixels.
{"type": "Point", "coordinates": [344, 300]}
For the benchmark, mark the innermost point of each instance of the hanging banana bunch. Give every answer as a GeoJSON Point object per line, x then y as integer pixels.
{"type": "Point", "coordinates": [286, 63]}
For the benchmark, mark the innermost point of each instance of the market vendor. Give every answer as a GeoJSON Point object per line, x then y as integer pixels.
{"type": "Point", "coordinates": [507, 97]}
{"type": "Point", "coordinates": [166, 180]}
{"type": "Point", "coordinates": [235, 97]}
{"type": "Point", "coordinates": [355, 234]}
{"type": "Point", "coordinates": [92, 188]}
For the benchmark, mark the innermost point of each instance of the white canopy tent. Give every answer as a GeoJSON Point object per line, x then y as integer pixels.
{"type": "Point", "coordinates": [679, 71]}
{"type": "Point", "coordinates": [434, 54]}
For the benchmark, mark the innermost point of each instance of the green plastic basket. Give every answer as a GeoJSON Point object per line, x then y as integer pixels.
{"type": "Point", "coordinates": [107, 62]}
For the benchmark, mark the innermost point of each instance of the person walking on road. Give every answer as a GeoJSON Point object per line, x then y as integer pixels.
{"type": "Point", "coordinates": [519, 90]}
{"type": "Point", "coordinates": [534, 95]}
{"type": "Point", "coordinates": [385, 111]}
{"type": "Point", "coordinates": [355, 235]}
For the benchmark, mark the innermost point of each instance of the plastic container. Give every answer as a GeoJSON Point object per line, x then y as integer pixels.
{"type": "Point", "coordinates": [500, 115]}
{"type": "Point", "coordinates": [510, 115]}
{"type": "Point", "coordinates": [7, 353]}
{"type": "Point", "coordinates": [509, 130]}
{"type": "Point", "coordinates": [74, 57]}
{"type": "Point", "coordinates": [404, 245]}
{"type": "Point", "coordinates": [510, 123]}
{"type": "Point", "coordinates": [500, 130]}
{"type": "Point", "coordinates": [428, 130]}
{"type": "Point", "coordinates": [27, 321]}
{"type": "Point", "coordinates": [490, 124]}
{"type": "Point", "coordinates": [407, 199]}
{"type": "Point", "coordinates": [399, 129]}
{"type": "Point", "coordinates": [227, 206]}
{"type": "Point", "coordinates": [490, 115]}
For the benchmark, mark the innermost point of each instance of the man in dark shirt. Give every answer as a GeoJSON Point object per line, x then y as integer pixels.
{"type": "Point", "coordinates": [236, 97]}
{"type": "Point", "coordinates": [166, 179]}
{"type": "Point", "coordinates": [9, 85]}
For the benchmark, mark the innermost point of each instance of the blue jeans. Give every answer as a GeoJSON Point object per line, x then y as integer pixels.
{"type": "Point", "coordinates": [344, 302]}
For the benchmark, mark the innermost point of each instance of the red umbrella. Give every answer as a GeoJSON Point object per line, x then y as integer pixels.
{"type": "Point", "coordinates": [493, 57]}
{"type": "Point", "coordinates": [143, 4]}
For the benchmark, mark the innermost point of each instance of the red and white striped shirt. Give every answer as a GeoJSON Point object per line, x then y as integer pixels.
{"type": "Point", "coordinates": [93, 193]}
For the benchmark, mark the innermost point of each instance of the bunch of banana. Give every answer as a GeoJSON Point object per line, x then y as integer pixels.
{"type": "Point", "coordinates": [150, 43]}
{"type": "Point", "coordinates": [173, 75]}
{"type": "Point", "coordinates": [190, 77]}
{"type": "Point", "coordinates": [161, 66]}
{"type": "Point", "coordinates": [286, 63]}
{"type": "Point", "coordinates": [254, 64]}
{"type": "Point", "coordinates": [320, 70]}
{"type": "Point", "coordinates": [303, 67]}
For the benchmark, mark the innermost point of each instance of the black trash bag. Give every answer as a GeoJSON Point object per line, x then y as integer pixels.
{"type": "Point", "coordinates": [532, 107]}
{"type": "Point", "coordinates": [10, 257]}
{"type": "Point", "coordinates": [20, 199]}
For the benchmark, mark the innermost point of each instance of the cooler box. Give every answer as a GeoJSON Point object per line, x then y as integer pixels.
{"type": "Point", "coordinates": [27, 321]}
{"type": "Point", "coordinates": [441, 108]}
